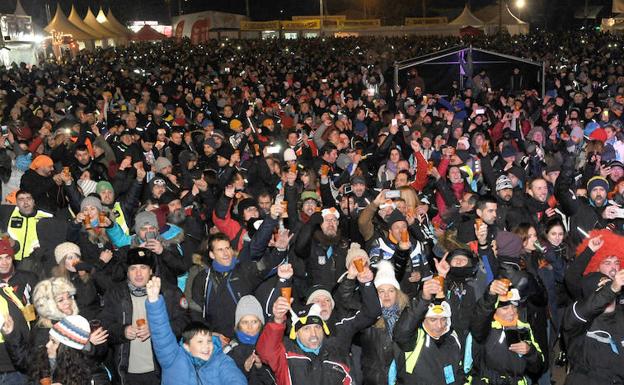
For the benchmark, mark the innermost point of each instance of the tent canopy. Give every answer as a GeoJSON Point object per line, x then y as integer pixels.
{"type": "Point", "coordinates": [19, 10]}
{"type": "Point", "coordinates": [508, 18]}
{"type": "Point", "coordinates": [60, 23]}
{"type": "Point", "coordinates": [102, 19]}
{"type": "Point", "coordinates": [102, 31]}
{"type": "Point", "coordinates": [75, 19]}
{"type": "Point", "coordinates": [460, 64]}
{"type": "Point", "coordinates": [466, 18]}
{"type": "Point", "coordinates": [116, 24]}
{"type": "Point", "coordinates": [147, 33]}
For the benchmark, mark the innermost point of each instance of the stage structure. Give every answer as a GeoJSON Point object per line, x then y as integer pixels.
{"type": "Point", "coordinates": [440, 69]}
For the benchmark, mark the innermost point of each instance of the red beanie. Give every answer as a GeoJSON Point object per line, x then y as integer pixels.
{"type": "Point", "coordinates": [5, 248]}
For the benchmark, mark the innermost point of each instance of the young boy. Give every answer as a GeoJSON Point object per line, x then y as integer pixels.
{"type": "Point", "coordinates": [198, 359]}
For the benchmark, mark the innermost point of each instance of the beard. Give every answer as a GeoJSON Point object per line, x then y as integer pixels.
{"type": "Point", "coordinates": [176, 217]}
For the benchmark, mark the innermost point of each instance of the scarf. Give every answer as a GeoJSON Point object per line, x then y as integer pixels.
{"type": "Point", "coordinates": [222, 268]}
{"type": "Point", "coordinates": [137, 291]}
{"type": "Point", "coordinates": [246, 339]}
{"type": "Point", "coordinates": [390, 315]}
{"type": "Point", "coordinates": [308, 350]}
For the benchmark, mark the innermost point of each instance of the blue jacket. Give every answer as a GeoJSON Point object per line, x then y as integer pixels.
{"type": "Point", "coordinates": [177, 364]}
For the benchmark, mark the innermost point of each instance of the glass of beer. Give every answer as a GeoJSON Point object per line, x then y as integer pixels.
{"type": "Point", "coordinates": [141, 322]}
{"type": "Point", "coordinates": [440, 280]}
{"type": "Point", "coordinates": [286, 292]}
{"type": "Point", "coordinates": [359, 264]}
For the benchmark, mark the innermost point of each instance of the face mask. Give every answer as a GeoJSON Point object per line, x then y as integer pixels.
{"type": "Point", "coordinates": [461, 273]}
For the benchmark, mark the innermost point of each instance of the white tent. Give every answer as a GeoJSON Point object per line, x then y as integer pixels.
{"type": "Point", "coordinates": [509, 21]}
{"type": "Point", "coordinates": [466, 18]}
{"type": "Point", "coordinates": [60, 24]}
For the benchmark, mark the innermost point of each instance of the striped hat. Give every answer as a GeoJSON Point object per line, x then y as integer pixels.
{"type": "Point", "coordinates": [72, 331]}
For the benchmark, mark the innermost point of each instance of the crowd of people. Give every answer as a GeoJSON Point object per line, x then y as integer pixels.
{"type": "Point", "coordinates": [276, 212]}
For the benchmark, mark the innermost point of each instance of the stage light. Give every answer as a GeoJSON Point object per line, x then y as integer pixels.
{"type": "Point", "coordinates": [520, 4]}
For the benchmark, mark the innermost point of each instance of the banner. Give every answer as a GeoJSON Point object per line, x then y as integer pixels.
{"type": "Point", "coordinates": [301, 24]}
{"type": "Point", "coordinates": [361, 23]}
{"type": "Point", "coordinates": [426, 20]}
{"type": "Point", "coordinates": [259, 25]}
{"type": "Point", "coordinates": [618, 6]}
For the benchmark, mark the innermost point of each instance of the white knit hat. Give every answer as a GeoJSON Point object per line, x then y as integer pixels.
{"type": "Point", "coordinates": [64, 249]}
{"type": "Point", "coordinates": [72, 331]}
{"type": "Point", "coordinates": [385, 275]}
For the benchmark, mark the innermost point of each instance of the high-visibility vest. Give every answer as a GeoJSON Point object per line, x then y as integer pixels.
{"type": "Point", "coordinates": [24, 230]}
{"type": "Point", "coordinates": [120, 218]}
{"type": "Point", "coordinates": [4, 303]}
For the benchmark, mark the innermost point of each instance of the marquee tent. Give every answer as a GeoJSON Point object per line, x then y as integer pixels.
{"type": "Point", "coordinates": [466, 18]}
{"type": "Point", "coordinates": [60, 24]}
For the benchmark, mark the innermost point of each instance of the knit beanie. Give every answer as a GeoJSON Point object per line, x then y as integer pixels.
{"type": "Point", "coordinates": [355, 251]}
{"type": "Point", "coordinates": [395, 216]}
{"type": "Point", "coordinates": [248, 305]}
{"type": "Point", "coordinates": [87, 186]}
{"type": "Point", "coordinates": [509, 244]}
{"type": "Point", "coordinates": [91, 201]}
{"type": "Point", "coordinates": [64, 249]}
{"type": "Point", "coordinates": [245, 204]}
{"type": "Point", "coordinates": [72, 331]}
{"type": "Point", "coordinates": [161, 163]}
{"type": "Point", "coordinates": [103, 186]}
{"type": "Point", "coordinates": [597, 181]}
{"type": "Point", "coordinates": [319, 291]}
{"type": "Point", "coordinates": [145, 218]}
{"type": "Point", "coordinates": [41, 161]}
{"type": "Point", "coordinates": [385, 275]}
{"type": "Point", "coordinates": [6, 248]}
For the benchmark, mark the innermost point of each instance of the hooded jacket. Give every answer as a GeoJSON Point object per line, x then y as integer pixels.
{"type": "Point", "coordinates": [177, 364]}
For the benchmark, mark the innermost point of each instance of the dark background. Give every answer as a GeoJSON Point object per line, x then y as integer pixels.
{"type": "Point", "coordinates": [551, 14]}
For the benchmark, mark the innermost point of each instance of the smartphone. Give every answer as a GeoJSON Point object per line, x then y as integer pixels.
{"type": "Point", "coordinates": [394, 122]}
{"type": "Point", "coordinates": [392, 194]}
{"type": "Point", "coordinates": [150, 235]}
{"type": "Point", "coordinates": [273, 149]}
{"type": "Point", "coordinates": [480, 111]}
{"type": "Point", "coordinates": [5, 130]}
{"type": "Point", "coordinates": [347, 189]}
{"type": "Point", "coordinates": [512, 336]}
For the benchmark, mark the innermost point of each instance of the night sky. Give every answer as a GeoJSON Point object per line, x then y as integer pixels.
{"type": "Point", "coordinates": [126, 10]}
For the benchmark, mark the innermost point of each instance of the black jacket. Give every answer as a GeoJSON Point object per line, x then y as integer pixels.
{"type": "Point", "coordinates": [494, 358]}
{"type": "Point", "coordinates": [594, 361]}
{"type": "Point", "coordinates": [116, 314]}
{"type": "Point", "coordinates": [218, 293]}
{"type": "Point", "coordinates": [435, 355]}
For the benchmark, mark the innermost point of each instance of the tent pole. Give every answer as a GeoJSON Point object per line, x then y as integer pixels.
{"type": "Point", "coordinates": [396, 77]}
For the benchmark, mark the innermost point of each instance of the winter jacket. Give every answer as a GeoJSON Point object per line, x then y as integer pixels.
{"type": "Point", "coordinates": [47, 195]}
{"type": "Point", "coordinates": [116, 314]}
{"type": "Point", "coordinates": [594, 339]}
{"type": "Point", "coordinates": [495, 362]}
{"type": "Point", "coordinates": [293, 366]}
{"type": "Point", "coordinates": [422, 359]}
{"type": "Point", "coordinates": [218, 293]}
{"type": "Point", "coordinates": [170, 263]}
{"type": "Point", "coordinates": [177, 364]}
